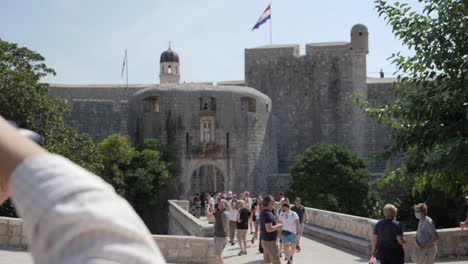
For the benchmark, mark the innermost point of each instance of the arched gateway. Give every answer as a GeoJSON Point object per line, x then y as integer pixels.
{"type": "Point", "coordinates": [208, 176]}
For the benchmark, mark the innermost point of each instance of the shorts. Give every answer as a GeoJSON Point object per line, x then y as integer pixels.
{"type": "Point", "coordinates": [257, 223]}
{"type": "Point", "coordinates": [270, 252]}
{"type": "Point", "coordinates": [291, 238]}
{"type": "Point", "coordinates": [220, 244]}
{"type": "Point", "coordinates": [241, 234]}
{"type": "Point", "coordinates": [301, 228]}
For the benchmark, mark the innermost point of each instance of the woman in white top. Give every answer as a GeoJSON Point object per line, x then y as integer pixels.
{"type": "Point", "coordinates": [290, 230]}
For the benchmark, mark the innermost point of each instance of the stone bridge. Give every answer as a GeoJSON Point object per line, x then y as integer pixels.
{"type": "Point", "coordinates": [332, 238]}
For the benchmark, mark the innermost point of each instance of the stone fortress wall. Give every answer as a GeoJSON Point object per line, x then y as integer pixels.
{"type": "Point", "coordinates": [311, 95]}
{"type": "Point", "coordinates": [298, 100]}
{"type": "Point", "coordinates": [225, 127]}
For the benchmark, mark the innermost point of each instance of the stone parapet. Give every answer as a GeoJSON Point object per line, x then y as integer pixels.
{"type": "Point", "coordinates": [452, 244]}
{"type": "Point", "coordinates": [11, 233]}
{"type": "Point", "coordinates": [186, 249]}
{"type": "Point", "coordinates": [181, 222]}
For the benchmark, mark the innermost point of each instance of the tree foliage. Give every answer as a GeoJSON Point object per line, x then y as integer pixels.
{"type": "Point", "coordinates": [397, 188]}
{"type": "Point", "coordinates": [331, 177]}
{"type": "Point", "coordinates": [25, 100]}
{"type": "Point", "coordinates": [138, 174]}
{"type": "Point", "coordinates": [429, 118]}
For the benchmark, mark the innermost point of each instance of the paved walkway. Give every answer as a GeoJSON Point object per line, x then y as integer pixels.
{"type": "Point", "coordinates": [313, 251]}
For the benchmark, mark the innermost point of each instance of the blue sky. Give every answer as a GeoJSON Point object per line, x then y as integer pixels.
{"type": "Point", "coordinates": [84, 40]}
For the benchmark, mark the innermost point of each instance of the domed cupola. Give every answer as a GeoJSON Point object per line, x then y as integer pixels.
{"type": "Point", "coordinates": [169, 56]}
{"type": "Point", "coordinates": [170, 68]}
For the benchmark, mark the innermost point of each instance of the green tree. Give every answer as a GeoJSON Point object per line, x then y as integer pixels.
{"type": "Point", "coordinates": [331, 177]}
{"type": "Point", "coordinates": [117, 155]}
{"type": "Point", "coordinates": [25, 100]}
{"type": "Point", "coordinates": [138, 174]}
{"type": "Point", "coordinates": [429, 118]}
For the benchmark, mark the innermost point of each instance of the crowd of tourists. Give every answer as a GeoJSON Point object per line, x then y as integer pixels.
{"type": "Point", "coordinates": [234, 215]}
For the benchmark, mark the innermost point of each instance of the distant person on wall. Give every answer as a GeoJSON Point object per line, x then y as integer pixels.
{"type": "Point", "coordinates": [300, 210]}
{"type": "Point", "coordinates": [464, 224]}
{"type": "Point", "coordinates": [232, 219]}
{"type": "Point", "coordinates": [289, 232]}
{"type": "Point", "coordinates": [269, 231]}
{"type": "Point", "coordinates": [243, 216]}
{"type": "Point", "coordinates": [388, 239]}
{"type": "Point", "coordinates": [221, 229]}
{"type": "Point", "coordinates": [426, 236]}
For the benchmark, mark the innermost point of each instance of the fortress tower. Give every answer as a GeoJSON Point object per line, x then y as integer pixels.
{"type": "Point", "coordinates": [169, 68]}
{"type": "Point", "coordinates": [311, 93]}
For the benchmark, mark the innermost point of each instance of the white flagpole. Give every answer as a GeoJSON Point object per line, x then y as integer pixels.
{"type": "Point", "coordinates": [126, 66]}
{"type": "Point", "coordinates": [271, 25]}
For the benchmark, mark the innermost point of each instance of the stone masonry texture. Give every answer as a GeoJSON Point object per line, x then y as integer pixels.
{"type": "Point", "coordinates": [287, 103]}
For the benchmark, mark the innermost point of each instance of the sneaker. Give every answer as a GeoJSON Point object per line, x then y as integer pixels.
{"type": "Point", "coordinates": [245, 252]}
{"type": "Point", "coordinates": [298, 248]}
{"type": "Point", "coordinates": [240, 253]}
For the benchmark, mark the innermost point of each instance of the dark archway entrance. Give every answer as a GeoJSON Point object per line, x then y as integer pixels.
{"type": "Point", "coordinates": [207, 178]}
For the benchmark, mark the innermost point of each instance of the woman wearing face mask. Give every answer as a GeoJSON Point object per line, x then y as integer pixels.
{"type": "Point", "coordinates": [426, 236]}
{"type": "Point", "coordinates": [388, 238]}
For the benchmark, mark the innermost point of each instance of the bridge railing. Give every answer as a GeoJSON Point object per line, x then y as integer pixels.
{"type": "Point", "coordinates": [182, 222]}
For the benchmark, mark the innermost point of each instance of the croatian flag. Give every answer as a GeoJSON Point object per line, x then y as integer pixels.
{"type": "Point", "coordinates": [263, 18]}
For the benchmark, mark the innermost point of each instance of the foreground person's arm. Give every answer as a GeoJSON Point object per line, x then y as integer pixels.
{"type": "Point", "coordinates": [70, 215]}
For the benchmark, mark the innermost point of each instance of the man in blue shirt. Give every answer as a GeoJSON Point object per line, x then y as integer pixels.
{"type": "Point", "coordinates": [269, 231]}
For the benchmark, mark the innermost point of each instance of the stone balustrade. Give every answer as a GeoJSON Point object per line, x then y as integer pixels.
{"type": "Point", "coordinates": [452, 244]}
{"type": "Point", "coordinates": [11, 233]}
{"type": "Point", "coordinates": [187, 249]}
{"type": "Point", "coordinates": [181, 222]}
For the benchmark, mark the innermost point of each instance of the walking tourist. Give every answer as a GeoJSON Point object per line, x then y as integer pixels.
{"type": "Point", "coordinates": [289, 232]}
{"type": "Point", "coordinates": [196, 206]}
{"type": "Point", "coordinates": [232, 219]}
{"type": "Point", "coordinates": [221, 228]}
{"type": "Point", "coordinates": [303, 218]}
{"type": "Point", "coordinates": [248, 205]}
{"type": "Point", "coordinates": [269, 231]}
{"type": "Point", "coordinates": [464, 224]}
{"type": "Point", "coordinates": [256, 209]}
{"type": "Point", "coordinates": [426, 236]}
{"type": "Point", "coordinates": [57, 200]}
{"type": "Point", "coordinates": [388, 239]}
{"type": "Point", "coordinates": [243, 216]}
{"type": "Point", "coordinates": [278, 212]}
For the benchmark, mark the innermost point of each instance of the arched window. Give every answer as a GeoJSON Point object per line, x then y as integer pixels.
{"type": "Point", "coordinates": [169, 69]}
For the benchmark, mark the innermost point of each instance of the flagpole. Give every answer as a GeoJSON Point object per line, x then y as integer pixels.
{"type": "Point", "coordinates": [271, 25]}
{"type": "Point", "coordinates": [126, 66]}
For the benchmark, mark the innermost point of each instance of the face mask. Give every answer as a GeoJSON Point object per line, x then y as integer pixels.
{"type": "Point", "coordinates": [418, 215]}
